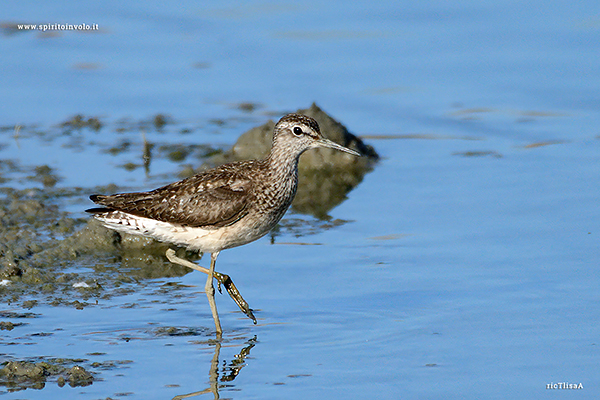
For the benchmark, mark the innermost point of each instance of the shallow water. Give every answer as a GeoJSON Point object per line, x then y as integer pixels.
{"type": "Point", "coordinates": [467, 265]}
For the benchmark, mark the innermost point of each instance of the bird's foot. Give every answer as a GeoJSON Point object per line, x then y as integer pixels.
{"type": "Point", "coordinates": [235, 294]}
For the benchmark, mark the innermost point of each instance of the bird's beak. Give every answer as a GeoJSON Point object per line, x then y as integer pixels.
{"type": "Point", "coordinates": [332, 145]}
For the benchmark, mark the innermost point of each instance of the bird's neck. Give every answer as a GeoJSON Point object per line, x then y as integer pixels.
{"type": "Point", "coordinates": [282, 166]}
{"type": "Point", "coordinates": [283, 158]}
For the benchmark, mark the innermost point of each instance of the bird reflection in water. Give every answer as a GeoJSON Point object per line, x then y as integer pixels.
{"type": "Point", "coordinates": [228, 373]}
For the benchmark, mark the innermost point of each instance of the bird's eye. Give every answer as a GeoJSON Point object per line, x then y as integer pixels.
{"type": "Point", "coordinates": [298, 131]}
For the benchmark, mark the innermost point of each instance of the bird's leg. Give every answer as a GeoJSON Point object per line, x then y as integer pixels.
{"type": "Point", "coordinates": [223, 279]}
{"type": "Point", "coordinates": [210, 292]}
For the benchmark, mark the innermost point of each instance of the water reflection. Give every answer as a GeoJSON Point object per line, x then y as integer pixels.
{"type": "Point", "coordinates": [228, 372]}
{"type": "Point", "coordinates": [147, 154]}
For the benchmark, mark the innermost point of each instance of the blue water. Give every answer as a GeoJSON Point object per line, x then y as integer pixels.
{"type": "Point", "coordinates": [469, 267]}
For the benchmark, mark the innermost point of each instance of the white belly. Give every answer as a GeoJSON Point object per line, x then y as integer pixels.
{"type": "Point", "coordinates": [197, 239]}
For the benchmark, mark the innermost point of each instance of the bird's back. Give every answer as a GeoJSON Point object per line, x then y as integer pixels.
{"type": "Point", "coordinates": [214, 198]}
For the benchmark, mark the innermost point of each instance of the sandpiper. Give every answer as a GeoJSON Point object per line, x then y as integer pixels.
{"type": "Point", "coordinates": [221, 208]}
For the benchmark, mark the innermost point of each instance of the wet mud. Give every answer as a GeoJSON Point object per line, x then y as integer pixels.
{"type": "Point", "coordinates": [19, 375]}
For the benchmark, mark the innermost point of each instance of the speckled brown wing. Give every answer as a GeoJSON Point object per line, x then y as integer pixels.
{"type": "Point", "coordinates": [216, 198]}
